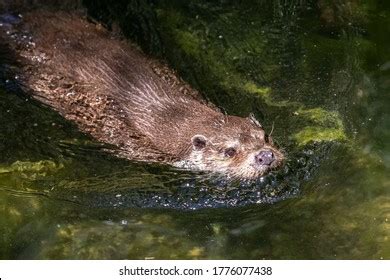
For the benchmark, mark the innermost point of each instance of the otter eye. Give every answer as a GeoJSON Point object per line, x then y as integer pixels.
{"type": "Point", "coordinates": [230, 152]}
{"type": "Point", "coordinates": [268, 139]}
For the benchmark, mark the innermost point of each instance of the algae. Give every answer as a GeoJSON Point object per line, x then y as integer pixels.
{"type": "Point", "coordinates": [40, 167]}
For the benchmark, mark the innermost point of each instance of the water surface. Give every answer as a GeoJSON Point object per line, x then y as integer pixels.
{"type": "Point", "coordinates": [318, 72]}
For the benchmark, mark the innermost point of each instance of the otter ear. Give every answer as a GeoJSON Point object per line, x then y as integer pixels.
{"type": "Point", "coordinates": [199, 142]}
{"type": "Point", "coordinates": [253, 119]}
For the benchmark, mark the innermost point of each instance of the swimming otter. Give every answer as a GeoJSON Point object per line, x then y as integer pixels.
{"type": "Point", "coordinates": [120, 96]}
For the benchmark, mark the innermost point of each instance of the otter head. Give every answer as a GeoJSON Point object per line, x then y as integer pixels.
{"type": "Point", "coordinates": [237, 147]}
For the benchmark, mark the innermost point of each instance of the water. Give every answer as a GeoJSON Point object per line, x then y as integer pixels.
{"type": "Point", "coordinates": [318, 72]}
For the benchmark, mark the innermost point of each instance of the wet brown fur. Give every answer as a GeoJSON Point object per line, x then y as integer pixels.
{"type": "Point", "coordinates": [113, 91]}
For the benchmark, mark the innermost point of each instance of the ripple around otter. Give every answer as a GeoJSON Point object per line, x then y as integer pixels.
{"type": "Point", "coordinates": [168, 188]}
{"type": "Point", "coordinates": [187, 191]}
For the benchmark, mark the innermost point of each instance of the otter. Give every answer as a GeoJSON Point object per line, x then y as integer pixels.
{"type": "Point", "coordinates": [120, 96]}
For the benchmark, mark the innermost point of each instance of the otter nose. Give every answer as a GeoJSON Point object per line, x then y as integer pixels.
{"type": "Point", "coordinates": [265, 157]}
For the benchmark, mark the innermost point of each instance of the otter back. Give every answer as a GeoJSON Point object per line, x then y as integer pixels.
{"type": "Point", "coordinates": [106, 85]}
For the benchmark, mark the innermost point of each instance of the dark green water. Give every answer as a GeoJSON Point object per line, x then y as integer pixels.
{"type": "Point", "coordinates": [319, 71]}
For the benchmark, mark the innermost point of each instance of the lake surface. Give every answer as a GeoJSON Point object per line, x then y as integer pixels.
{"type": "Point", "coordinates": [318, 72]}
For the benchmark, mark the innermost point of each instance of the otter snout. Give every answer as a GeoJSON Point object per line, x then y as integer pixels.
{"type": "Point", "coordinates": [265, 157]}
